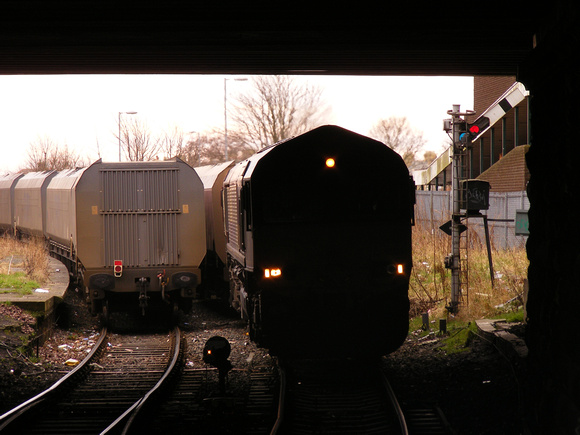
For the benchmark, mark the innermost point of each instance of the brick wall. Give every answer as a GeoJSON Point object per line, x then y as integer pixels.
{"type": "Point", "coordinates": [510, 174]}
{"type": "Point", "coordinates": [487, 89]}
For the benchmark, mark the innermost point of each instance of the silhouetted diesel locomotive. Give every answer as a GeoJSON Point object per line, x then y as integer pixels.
{"type": "Point", "coordinates": [318, 234]}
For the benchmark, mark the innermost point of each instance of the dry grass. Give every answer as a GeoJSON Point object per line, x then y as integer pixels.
{"type": "Point", "coordinates": [430, 287]}
{"type": "Point", "coordinates": [29, 256]}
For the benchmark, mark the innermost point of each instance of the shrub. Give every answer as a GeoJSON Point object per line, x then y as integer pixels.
{"type": "Point", "coordinates": [23, 264]}
{"type": "Point", "coordinates": [430, 286]}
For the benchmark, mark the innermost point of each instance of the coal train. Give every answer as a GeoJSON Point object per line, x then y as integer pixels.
{"type": "Point", "coordinates": [131, 233]}
{"type": "Point", "coordinates": [309, 239]}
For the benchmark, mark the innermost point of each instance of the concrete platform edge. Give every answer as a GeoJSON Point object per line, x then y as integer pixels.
{"type": "Point", "coordinates": [510, 345]}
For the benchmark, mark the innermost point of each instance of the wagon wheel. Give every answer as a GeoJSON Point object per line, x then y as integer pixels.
{"type": "Point", "coordinates": [95, 306]}
{"type": "Point", "coordinates": [174, 313]}
{"type": "Point", "coordinates": [105, 313]}
{"type": "Point", "coordinates": [254, 321]}
{"type": "Point", "coordinates": [186, 304]}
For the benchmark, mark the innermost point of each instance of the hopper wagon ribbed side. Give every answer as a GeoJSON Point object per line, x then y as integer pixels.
{"type": "Point", "coordinates": [7, 185]}
{"type": "Point", "coordinates": [133, 231]}
{"type": "Point", "coordinates": [30, 203]}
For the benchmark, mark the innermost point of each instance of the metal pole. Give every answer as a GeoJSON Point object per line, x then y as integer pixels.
{"type": "Point", "coordinates": [455, 218]}
{"type": "Point", "coordinates": [126, 113]}
{"type": "Point", "coordinates": [456, 228]}
{"type": "Point", "coordinates": [119, 137]}
{"type": "Point", "coordinates": [225, 120]}
{"type": "Point", "coordinates": [488, 244]}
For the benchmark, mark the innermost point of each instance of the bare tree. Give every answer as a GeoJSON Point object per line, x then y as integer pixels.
{"type": "Point", "coordinates": [44, 154]}
{"type": "Point", "coordinates": [238, 148]}
{"type": "Point", "coordinates": [429, 156]}
{"type": "Point", "coordinates": [208, 148]}
{"type": "Point", "coordinates": [173, 143]}
{"type": "Point", "coordinates": [137, 142]}
{"type": "Point", "coordinates": [277, 108]}
{"type": "Point", "coordinates": [192, 150]}
{"type": "Point", "coordinates": [38, 154]}
{"type": "Point", "coordinates": [397, 134]}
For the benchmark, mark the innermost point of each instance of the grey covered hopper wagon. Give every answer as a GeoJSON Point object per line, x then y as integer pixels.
{"type": "Point", "coordinates": [132, 231]}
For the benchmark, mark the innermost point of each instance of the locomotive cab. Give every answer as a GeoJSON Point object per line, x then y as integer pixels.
{"type": "Point", "coordinates": [319, 244]}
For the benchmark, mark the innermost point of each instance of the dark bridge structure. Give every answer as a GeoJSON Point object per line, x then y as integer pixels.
{"type": "Point", "coordinates": [536, 43]}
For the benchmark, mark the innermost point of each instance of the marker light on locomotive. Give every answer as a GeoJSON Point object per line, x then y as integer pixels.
{"type": "Point", "coordinates": [272, 272]}
{"type": "Point", "coordinates": [400, 269]}
{"type": "Point", "coordinates": [118, 268]}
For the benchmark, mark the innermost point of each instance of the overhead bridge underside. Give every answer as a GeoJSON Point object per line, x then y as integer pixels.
{"type": "Point", "coordinates": [259, 38]}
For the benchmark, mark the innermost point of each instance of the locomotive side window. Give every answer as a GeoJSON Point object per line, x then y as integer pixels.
{"type": "Point", "coordinates": [247, 206]}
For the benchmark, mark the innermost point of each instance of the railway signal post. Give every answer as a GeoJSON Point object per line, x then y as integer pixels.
{"type": "Point", "coordinates": [463, 135]}
{"type": "Point", "coordinates": [458, 127]}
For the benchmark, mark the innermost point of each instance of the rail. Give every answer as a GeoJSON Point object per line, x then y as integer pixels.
{"type": "Point", "coordinates": [80, 370]}
{"type": "Point", "coordinates": [135, 371]}
{"type": "Point", "coordinates": [128, 420]}
{"type": "Point", "coordinates": [281, 403]}
{"type": "Point", "coordinates": [396, 406]}
{"type": "Point", "coordinates": [343, 398]}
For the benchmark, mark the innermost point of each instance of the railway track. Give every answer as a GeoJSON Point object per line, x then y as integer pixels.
{"type": "Point", "coordinates": [105, 395]}
{"type": "Point", "coordinates": [196, 406]}
{"type": "Point", "coordinates": [341, 397]}
{"type": "Point", "coordinates": [346, 397]}
{"type": "Point", "coordinates": [107, 392]}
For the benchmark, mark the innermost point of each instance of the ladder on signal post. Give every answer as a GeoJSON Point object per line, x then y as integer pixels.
{"type": "Point", "coordinates": [463, 234]}
{"type": "Point", "coordinates": [464, 267]}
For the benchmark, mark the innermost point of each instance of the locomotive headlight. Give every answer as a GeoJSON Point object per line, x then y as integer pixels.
{"type": "Point", "coordinates": [396, 269]}
{"type": "Point", "coordinates": [330, 162]}
{"type": "Point", "coordinates": [272, 272]}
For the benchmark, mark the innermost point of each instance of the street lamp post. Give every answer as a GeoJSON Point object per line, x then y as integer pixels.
{"type": "Point", "coordinates": [120, 113]}
{"type": "Point", "coordinates": [226, 114]}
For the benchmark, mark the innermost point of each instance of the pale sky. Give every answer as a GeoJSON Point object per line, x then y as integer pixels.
{"type": "Point", "coordinates": [81, 111]}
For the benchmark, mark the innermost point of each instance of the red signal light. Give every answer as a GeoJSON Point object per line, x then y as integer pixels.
{"type": "Point", "coordinates": [118, 268]}
{"type": "Point", "coordinates": [478, 127]}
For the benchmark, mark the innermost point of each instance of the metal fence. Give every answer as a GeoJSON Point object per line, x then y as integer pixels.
{"type": "Point", "coordinates": [434, 209]}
